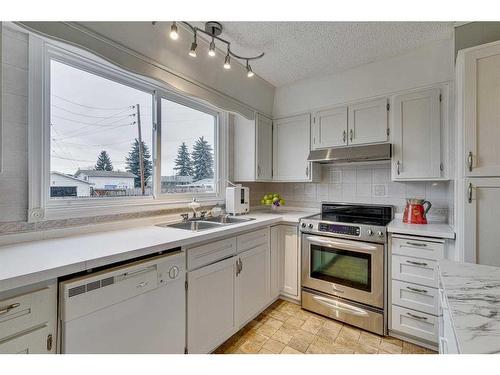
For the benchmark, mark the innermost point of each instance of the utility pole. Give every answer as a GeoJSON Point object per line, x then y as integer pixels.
{"type": "Point", "coordinates": [141, 153]}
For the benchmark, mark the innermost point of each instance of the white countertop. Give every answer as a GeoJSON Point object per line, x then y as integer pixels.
{"type": "Point", "coordinates": [473, 294]}
{"type": "Point", "coordinates": [432, 229]}
{"type": "Point", "coordinates": [30, 262]}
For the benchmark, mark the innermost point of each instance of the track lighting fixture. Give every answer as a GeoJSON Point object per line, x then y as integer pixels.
{"type": "Point", "coordinates": [227, 62]}
{"type": "Point", "coordinates": [213, 30]}
{"type": "Point", "coordinates": [211, 49]}
{"type": "Point", "coordinates": [249, 70]}
{"type": "Point", "coordinates": [173, 31]}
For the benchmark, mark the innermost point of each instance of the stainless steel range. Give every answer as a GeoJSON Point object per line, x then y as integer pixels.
{"type": "Point", "coordinates": [344, 270]}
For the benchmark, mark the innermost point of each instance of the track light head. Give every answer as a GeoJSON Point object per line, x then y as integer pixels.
{"type": "Point", "coordinates": [173, 31]}
{"type": "Point", "coordinates": [211, 49]}
{"type": "Point", "coordinates": [192, 51]}
{"type": "Point", "coordinates": [227, 62]}
{"type": "Point", "coordinates": [249, 70]}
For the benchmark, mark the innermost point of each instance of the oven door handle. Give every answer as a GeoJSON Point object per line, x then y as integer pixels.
{"type": "Point", "coordinates": [340, 306]}
{"type": "Point", "coordinates": [347, 245]}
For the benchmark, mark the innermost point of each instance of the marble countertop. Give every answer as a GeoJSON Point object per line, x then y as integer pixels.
{"type": "Point", "coordinates": [433, 229]}
{"type": "Point", "coordinates": [473, 295]}
{"type": "Point", "coordinates": [31, 262]}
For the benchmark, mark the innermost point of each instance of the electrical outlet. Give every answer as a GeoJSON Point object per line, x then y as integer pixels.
{"type": "Point", "coordinates": [440, 211]}
{"type": "Point", "coordinates": [379, 190]}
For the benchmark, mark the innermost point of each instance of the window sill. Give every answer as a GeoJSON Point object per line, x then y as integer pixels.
{"type": "Point", "coordinates": [87, 208]}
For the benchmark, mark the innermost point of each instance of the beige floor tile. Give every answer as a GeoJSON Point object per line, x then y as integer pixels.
{"type": "Point", "coordinates": [282, 337]}
{"type": "Point", "coordinates": [289, 329]}
{"type": "Point", "coordinates": [273, 346]}
{"type": "Point", "coordinates": [256, 337]}
{"type": "Point", "coordinates": [279, 315]}
{"type": "Point", "coordinates": [304, 336]}
{"type": "Point", "coordinates": [369, 338]}
{"type": "Point", "coordinates": [293, 321]}
{"type": "Point", "coordinates": [409, 348]}
{"type": "Point", "coordinates": [390, 347]}
{"type": "Point", "coordinates": [299, 344]}
{"type": "Point", "coordinates": [289, 350]}
{"type": "Point", "coordinates": [265, 351]}
{"type": "Point", "coordinates": [266, 330]}
{"type": "Point", "coordinates": [392, 340]}
{"type": "Point", "coordinates": [327, 334]}
{"type": "Point", "coordinates": [274, 323]}
{"type": "Point", "coordinates": [250, 347]}
{"type": "Point", "coordinates": [365, 349]}
{"type": "Point", "coordinates": [312, 326]}
{"type": "Point", "coordinates": [350, 332]}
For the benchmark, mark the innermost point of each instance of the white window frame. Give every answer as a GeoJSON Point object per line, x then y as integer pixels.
{"type": "Point", "coordinates": [41, 207]}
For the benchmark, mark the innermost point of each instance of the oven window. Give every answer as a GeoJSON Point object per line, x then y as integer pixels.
{"type": "Point", "coordinates": [341, 267]}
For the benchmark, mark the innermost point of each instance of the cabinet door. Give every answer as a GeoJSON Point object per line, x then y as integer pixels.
{"type": "Point", "coordinates": [291, 146]}
{"type": "Point", "coordinates": [264, 149]}
{"type": "Point", "coordinates": [417, 135]}
{"type": "Point", "coordinates": [276, 263]}
{"type": "Point", "coordinates": [244, 148]}
{"type": "Point", "coordinates": [252, 283]}
{"type": "Point", "coordinates": [210, 310]}
{"type": "Point", "coordinates": [368, 122]}
{"type": "Point", "coordinates": [330, 128]}
{"type": "Point", "coordinates": [290, 258]}
{"type": "Point", "coordinates": [481, 210]}
{"type": "Point", "coordinates": [481, 98]}
{"type": "Point", "coordinates": [40, 340]}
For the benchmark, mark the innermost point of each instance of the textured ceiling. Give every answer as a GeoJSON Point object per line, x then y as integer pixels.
{"type": "Point", "coordinates": [299, 50]}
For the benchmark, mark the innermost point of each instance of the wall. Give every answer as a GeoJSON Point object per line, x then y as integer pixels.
{"type": "Point", "coordinates": [476, 33]}
{"type": "Point", "coordinates": [357, 183]}
{"type": "Point", "coordinates": [14, 126]}
{"type": "Point", "coordinates": [423, 66]}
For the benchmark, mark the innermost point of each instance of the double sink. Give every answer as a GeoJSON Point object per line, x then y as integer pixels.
{"type": "Point", "coordinates": [208, 223]}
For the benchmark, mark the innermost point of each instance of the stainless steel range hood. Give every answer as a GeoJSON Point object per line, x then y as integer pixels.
{"type": "Point", "coordinates": [351, 154]}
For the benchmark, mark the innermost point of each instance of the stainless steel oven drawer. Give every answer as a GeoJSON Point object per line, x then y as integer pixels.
{"type": "Point", "coordinates": [344, 311]}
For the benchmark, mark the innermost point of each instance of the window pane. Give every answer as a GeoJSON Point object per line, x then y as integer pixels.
{"type": "Point", "coordinates": [187, 149]}
{"type": "Point", "coordinates": [94, 147]}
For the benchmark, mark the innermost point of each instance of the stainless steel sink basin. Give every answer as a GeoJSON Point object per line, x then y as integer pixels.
{"type": "Point", "coordinates": [209, 223]}
{"type": "Point", "coordinates": [229, 219]}
{"type": "Point", "coordinates": [192, 225]}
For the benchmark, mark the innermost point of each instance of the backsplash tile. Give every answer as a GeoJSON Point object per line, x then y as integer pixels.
{"type": "Point", "coordinates": [361, 183]}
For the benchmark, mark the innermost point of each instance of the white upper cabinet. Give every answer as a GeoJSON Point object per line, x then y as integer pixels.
{"type": "Point", "coordinates": [264, 148]}
{"type": "Point", "coordinates": [291, 146]}
{"type": "Point", "coordinates": [481, 111]}
{"type": "Point", "coordinates": [330, 128]}
{"type": "Point", "coordinates": [253, 148]}
{"type": "Point", "coordinates": [368, 122]}
{"type": "Point", "coordinates": [417, 135]}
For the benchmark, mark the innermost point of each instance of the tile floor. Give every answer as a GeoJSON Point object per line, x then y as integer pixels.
{"type": "Point", "coordinates": [287, 329]}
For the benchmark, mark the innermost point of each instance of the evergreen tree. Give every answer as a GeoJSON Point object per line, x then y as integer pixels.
{"type": "Point", "coordinates": [103, 162]}
{"type": "Point", "coordinates": [183, 161]}
{"type": "Point", "coordinates": [202, 160]}
{"type": "Point", "coordinates": [133, 162]}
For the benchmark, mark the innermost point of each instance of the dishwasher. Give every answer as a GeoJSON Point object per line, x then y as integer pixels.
{"type": "Point", "coordinates": [138, 307]}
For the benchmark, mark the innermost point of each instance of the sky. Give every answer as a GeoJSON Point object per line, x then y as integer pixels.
{"type": "Point", "coordinates": [90, 113]}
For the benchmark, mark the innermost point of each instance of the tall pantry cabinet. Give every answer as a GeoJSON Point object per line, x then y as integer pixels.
{"type": "Point", "coordinates": [478, 78]}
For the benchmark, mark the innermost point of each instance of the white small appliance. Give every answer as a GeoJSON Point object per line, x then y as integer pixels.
{"type": "Point", "coordinates": [237, 200]}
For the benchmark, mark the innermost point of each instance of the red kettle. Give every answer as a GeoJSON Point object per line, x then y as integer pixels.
{"type": "Point", "coordinates": [415, 212]}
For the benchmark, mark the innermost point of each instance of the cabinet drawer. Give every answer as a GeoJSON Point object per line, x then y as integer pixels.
{"type": "Point", "coordinates": [212, 252]}
{"type": "Point", "coordinates": [252, 239]}
{"type": "Point", "coordinates": [37, 341]}
{"type": "Point", "coordinates": [415, 270]}
{"type": "Point", "coordinates": [417, 248]}
{"type": "Point", "coordinates": [416, 297]}
{"type": "Point", "coordinates": [25, 311]}
{"type": "Point", "coordinates": [415, 323]}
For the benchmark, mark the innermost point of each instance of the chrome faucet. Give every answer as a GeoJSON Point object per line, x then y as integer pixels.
{"type": "Point", "coordinates": [185, 217]}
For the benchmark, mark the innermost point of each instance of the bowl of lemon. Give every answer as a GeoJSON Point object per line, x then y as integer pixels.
{"type": "Point", "coordinates": [273, 200]}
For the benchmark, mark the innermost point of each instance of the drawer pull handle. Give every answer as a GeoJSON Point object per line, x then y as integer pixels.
{"type": "Point", "coordinates": [8, 308]}
{"type": "Point", "coordinates": [416, 316]}
{"type": "Point", "coordinates": [417, 263]}
{"type": "Point", "coordinates": [416, 290]}
{"type": "Point", "coordinates": [419, 244]}
{"type": "Point", "coordinates": [49, 342]}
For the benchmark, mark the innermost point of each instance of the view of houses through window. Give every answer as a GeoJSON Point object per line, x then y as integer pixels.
{"type": "Point", "coordinates": [101, 132]}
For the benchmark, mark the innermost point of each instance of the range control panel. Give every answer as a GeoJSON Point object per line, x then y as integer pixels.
{"type": "Point", "coordinates": [339, 229]}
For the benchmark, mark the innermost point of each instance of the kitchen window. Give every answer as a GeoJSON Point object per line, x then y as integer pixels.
{"type": "Point", "coordinates": [100, 124]}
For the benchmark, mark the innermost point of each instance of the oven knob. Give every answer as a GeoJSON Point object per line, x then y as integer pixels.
{"type": "Point", "coordinates": [303, 225]}
{"type": "Point", "coordinates": [380, 233]}
{"type": "Point", "coordinates": [369, 232]}
{"type": "Point", "coordinates": [311, 226]}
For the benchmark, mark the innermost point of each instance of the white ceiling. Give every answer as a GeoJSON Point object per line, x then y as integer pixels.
{"type": "Point", "coordinates": [299, 50]}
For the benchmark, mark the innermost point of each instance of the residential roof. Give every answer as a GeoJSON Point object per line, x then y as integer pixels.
{"type": "Point", "coordinates": [70, 177]}
{"type": "Point", "coordinates": [94, 173]}
{"type": "Point", "coordinates": [176, 178]}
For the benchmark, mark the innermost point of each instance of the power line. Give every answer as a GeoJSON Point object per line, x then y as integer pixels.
{"type": "Point", "coordinates": [96, 145]}
{"type": "Point", "coordinates": [91, 107]}
{"type": "Point", "coordinates": [94, 131]}
{"type": "Point", "coordinates": [79, 114]}
{"type": "Point", "coordinates": [91, 123]}
{"type": "Point", "coordinates": [82, 160]}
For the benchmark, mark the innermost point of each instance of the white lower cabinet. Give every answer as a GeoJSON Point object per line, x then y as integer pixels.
{"type": "Point", "coordinates": [28, 320]}
{"type": "Point", "coordinates": [252, 283]}
{"type": "Point", "coordinates": [210, 305]}
{"type": "Point", "coordinates": [285, 248]}
{"type": "Point", "coordinates": [224, 295]}
{"type": "Point", "coordinates": [448, 343]}
{"type": "Point", "coordinates": [414, 297]}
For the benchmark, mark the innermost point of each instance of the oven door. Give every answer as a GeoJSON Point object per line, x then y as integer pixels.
{"type": "Point", "coordinates": [348, 269]}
